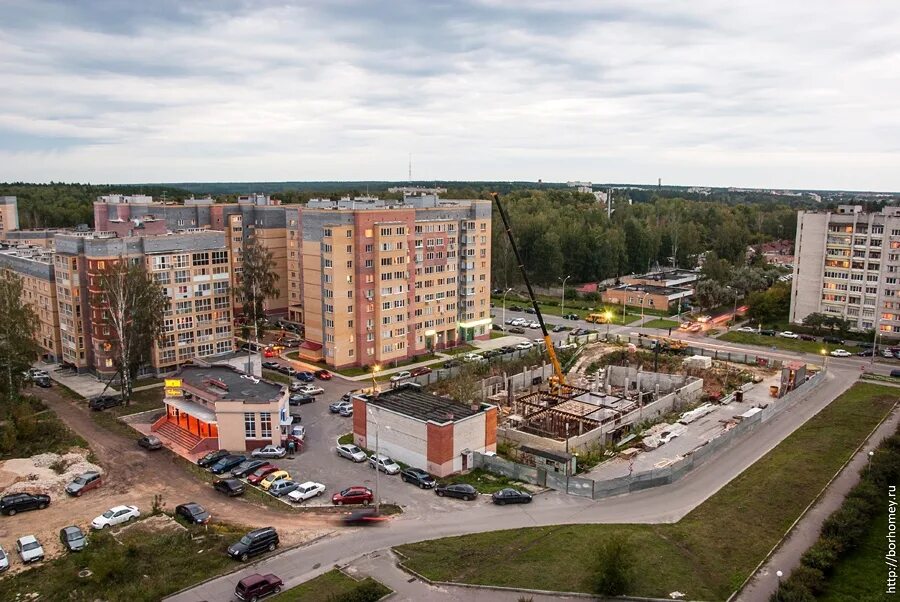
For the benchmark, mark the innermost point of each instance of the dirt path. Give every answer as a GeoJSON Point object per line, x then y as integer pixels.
{"type": "Point", "coordinates": [134, 476]}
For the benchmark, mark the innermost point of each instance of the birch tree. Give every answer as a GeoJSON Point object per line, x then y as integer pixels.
{"type": "Point", "coordinates": [18, 347]}
{"type": "Point", "coordinates": [258, 281]}
{"type": "Point", "coordinates": [134, 305]}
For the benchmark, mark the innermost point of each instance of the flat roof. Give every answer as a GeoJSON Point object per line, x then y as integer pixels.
{"type": "Point", "coordinates": [238, 385]}
{"type": "Point", "coordinates": [410, 400]}
{"type": "Point", "coordinates": [652, 289]}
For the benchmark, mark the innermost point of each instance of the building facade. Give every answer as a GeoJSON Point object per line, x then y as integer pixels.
{"type": "Point", "coordinates": [9, 214]}
{"type": "Point", "coordinates": [847, 264]}
{"type": "Point", "coordinates": [34, 266]}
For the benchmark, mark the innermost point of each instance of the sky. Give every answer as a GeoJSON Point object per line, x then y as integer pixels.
{"type": "Point", "coordinates": [755, 93]}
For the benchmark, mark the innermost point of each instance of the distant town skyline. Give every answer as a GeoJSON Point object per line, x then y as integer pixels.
{"type": "Point", "coordinates": [770, 95]}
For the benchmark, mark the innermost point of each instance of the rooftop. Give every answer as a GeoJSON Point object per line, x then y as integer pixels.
{"type": "Point", "coordinates": [410, 400]}
{"type": "Point", "coordinates": [228, 383]}
{"type": "Point", "coordinates": [651, 289]}
{"type": "Point", "coordinates": [667, 275]}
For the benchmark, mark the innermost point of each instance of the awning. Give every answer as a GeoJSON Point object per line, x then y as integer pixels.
{"type": "Point", "coordinates": [311, 346]}
{"type": "Point", "coordinates": [193, 409]}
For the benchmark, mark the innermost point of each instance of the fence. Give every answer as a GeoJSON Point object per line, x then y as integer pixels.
{"type": "Point", "coordinates": [652, 478]}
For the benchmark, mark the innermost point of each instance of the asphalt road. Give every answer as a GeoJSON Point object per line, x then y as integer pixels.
{"type": "Point", "coordinates": [659, 505]}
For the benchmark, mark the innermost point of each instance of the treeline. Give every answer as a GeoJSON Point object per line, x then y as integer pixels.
{"type": "Point", "coordinates": [564, 233]}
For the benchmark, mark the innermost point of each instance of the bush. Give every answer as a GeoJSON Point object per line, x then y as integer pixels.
{"type": "Point", "coordinates": [823, 554]}
{"type": "Point", "coordinates": [791, 591]}
{"type": "Point", "coordinates": [813, 580]}
{"type": "Point", "coordinates": [367, 591]}
{"type": "Point", "coordinates": [615, 567]}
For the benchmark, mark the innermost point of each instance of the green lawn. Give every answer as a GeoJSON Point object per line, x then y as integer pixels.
{"type": "Point", "coordinates": [141, 401]}
{"type": "Point", "coordinates": [147, 565]}
{"type": "Point", "coordinates": [749, 338]}
{"type": "Point", "coordinates": [334, 586]}
{"type": "Point", "coordinates": [33, 430]}
{"type": "Point", "coordinates": [861, 574]}
{"type": "Point", "coordinates": [483, 481]}
{"type": "Point", "coordinates": [663, 324]}
{"type": "Point", "coordinates": [707, 554]}
{"type": "Point", "coordinates": [345, 439]}
{"type": "Point", "coordinates": [276, 377]}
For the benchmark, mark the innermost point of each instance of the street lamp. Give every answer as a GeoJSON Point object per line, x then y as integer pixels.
{"type": "Point", "coordinates": [779, 574]}
{"type": "Point", "coordinates": [562, 305]}
{"type": "Point", "coordinates": [624, 303]}
{"type": "Point", "coordinates": [825, 353]}
{"type": "Point", "coordinates": [504, 304]}
{"type": "Point", "coordinates": [644, 296]}
{"type": "Point", "coordinates": [375, 368]}
{"type": "Point", "coordinates": [871, 453]}
{"type": "Point", "coordinates": [875, 341]}
{"type": "Point", "coordinates": [609, 316]}
{"type": "Point", "coordinates": [734, 309]}
{"type": "Point", "coordinates": [375, 419]}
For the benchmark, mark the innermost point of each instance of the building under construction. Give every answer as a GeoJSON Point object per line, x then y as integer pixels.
{"type": "Point", "coordinates": [575, 418]}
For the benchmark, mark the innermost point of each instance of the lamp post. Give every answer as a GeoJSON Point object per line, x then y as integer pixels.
{"type": "Point", "coordinates": [875, 342]}
{"type": "Point", "coordinates": [644, 296]}
{"type": "Point", "coordinates": [734, 308]}
{"type": "Point", "coordinates": [779, 574]}
{"type": "Point", "coordinates": [609, 316]}
{"type": "Point", "coordinates": [562, 305]}
{"type": "Point", "coordinates": [504, 305]}
{"type": "Point", "coordinates": [624, 303]}
{"type": "Point", "coordinates": [375, 368]}
{"type": "Point", "coordinates": [825, 353]}
{"type": "Point", "coordinates": [377, 499]}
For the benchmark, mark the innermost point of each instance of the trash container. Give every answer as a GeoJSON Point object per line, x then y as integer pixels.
{"type": "Point", "coordinates": [773, 390]}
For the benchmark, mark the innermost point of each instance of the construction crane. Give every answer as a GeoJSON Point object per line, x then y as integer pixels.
{"type": "Point", "coordinates": [558, 379]}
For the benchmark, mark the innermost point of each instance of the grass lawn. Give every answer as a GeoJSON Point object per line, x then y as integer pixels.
{"type": "Point", "coordinates": [497, 334]}
{"type": "Point", "coordinates": [148, 565]}
{"type": "Point", "coordinates": [333, 585]}
{"type": "Point", "coordinates": [861, 574]}
{"type": "Point", "coordinates": [660, 323]}
{"type": "Point", "coordinates": [276, 377]}
{"type": "Point", "coordinates": [41, 432]}
{"type": "Point", "coordinates": [483, 481]}
{"type": "Point", "coordinates": [749, 338]}
{"type": "Point", "coordinates": [141, 401]}
{"type": "Point", "coordinates": [707, 554]}
{"type": "Point", "coordinates": [345, 439]}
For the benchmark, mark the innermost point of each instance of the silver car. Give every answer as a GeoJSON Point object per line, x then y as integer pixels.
{"type": "Point", "coordinates": [269, 451]}
{"type": "Point", "coordinates": [4, 560]}
{"type": "Point", "coordinates": [384, 464]}
{"type": "Point", "coordinates": [351, 452]}
{"type": "Point", "coordinates": [29, 549]}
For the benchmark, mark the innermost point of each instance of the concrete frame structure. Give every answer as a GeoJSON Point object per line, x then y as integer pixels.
{"type": "Point", "coordinates": [427, 431]}
{"type": "Point", "coordinates": [847, 264]}
{"type": "Point", "coordinates": [34, 265]}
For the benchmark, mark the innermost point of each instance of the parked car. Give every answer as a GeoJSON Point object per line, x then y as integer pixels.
{"type": "Point", "coordinates": [29, 549]}
{"type": "Point", "coordinates": [298, 431]}
{"type": "Point", "coordinates": [270, 365]}
{"type": "Point", "coordinates": [335, 407]}
{"type": "Point", "coordinates": [420, 371]}
{"type": "Point", "coordinates": [292, 342]}
{"type": "Point", "coordinates": [559, 328]}
{"type": "Point", "coordinates": [417, 477]}
{"type": "Point", "coordinates": [400, 376]}
{"type": "Point", "coordinates": [511, 496]}
{"type": "Point", "coordinates": [150, 443]}
{"type": "Point", "coordinates": [283, 487]}
{"type": "Point", "coordinates": [43, 381]}
{"type": "Point", "coordinates": [253, 543]}
{"type": "Point", "coordinates": [226, 463]}
{"type": "Point", "coordinates": [269, 451]}
{"type": "Point", "coordinates": [212, 457]}
{"type": "Point", "coordinates": [529, 310]}
{"type": "Point", "coordinates": [322, 374]}
{"type": "Point", "coordinates": [515, 308]}
{"type": "Point", "coordinates": [741, 329]}
{"type": "Point", "coordinates": [260, 473]}
{"type": "Point", "coordinates": [351, 452]}
{"type": "Point", "coordinates": [870, 353]}
{"type": "Point", "coordinates": [363, 517]}
{"type": "Point", "coordinates": [571, 316]}
{"type": "Point", "coordinates": [306, 490]}
{"type": "Point", "coordinates": [787, 334]}
{"type": "Point", "coordinates": [104, 402]}
{"type": "Point", "coordinates": [300, 399]}
{"type": "Point", "coordinates": [807, 337]}
{"type": "Point", "coordinates": [346, 411]}
{"type": "Point", "coordinates": [496, 327]}
{"type": "Point", "coordinates": [4, 560]}
{"type": "Point", "coordinates": [767, 333]}
{"type": "Point", "coordinates": [246, 467]}
{"type": "Point", "coordinates": [833, 340]}
{"type": "Point", "coordinates": [270, 478]}
{"type": "Point", "coordinates": [384, 463]}
{"type": "Point", "coordinates": [295, 386]}
{"type": "Point", "coordinates": [353, 495]}
{"type": "Point", "coordinates": [84, 483]}
{"type": "Point", "coordinates": [463, 491]}
{"type": "Point", "coordinates": [193, 513]}
{"type": "Point", "coordinates": [20, 502]}
{"type": "Point", "coordinates": [311, 390]}
{"type": "Point", "coordinates": [473, 357]}
{"type": "Point", "coordinates": [230, 487]}
{"type": "Point", "coordinates": [841, 353]}
{"type": "Point", "coordinates": [304, 376]}
{"type": "Point", "coordinates": [525, 345]}
{"type": "Point", "coordinates": [520, 322]}
{"type": "Point", "coordinates": [491, 353]}
{"type": "Point", "coordinates": [256, 586]}
{"type": "Point", "coordinates": [534, 325]}
{"type": "Point", "coordinates": [116, 515]}
{"type": "Point", "coordinates": [895, 373]}
{"type": "Point", "coordinates": [452, 364]}
{"type": "Point", "coordinates": [72, 538]}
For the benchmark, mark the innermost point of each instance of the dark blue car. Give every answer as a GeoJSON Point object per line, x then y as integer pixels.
{"type": "Point", "coordinates": [225, 464]}
{"type": "Point", "coordinates": [306, 377]}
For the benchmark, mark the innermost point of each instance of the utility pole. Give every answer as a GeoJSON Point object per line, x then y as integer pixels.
{"type": "Point", "coordinates": [562, 306]}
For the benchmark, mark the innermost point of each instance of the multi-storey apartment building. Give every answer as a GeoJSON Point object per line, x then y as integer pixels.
{"type": "Point", "coordinates": [34, 265]}
{"type": "Point", "coordinates": [848, 264]}
{"type": "Point", "coordinates": [194, 268]}
{"type": "Point", "coordinates": [9, 214]}
{"type": "Point", "coordinates": [377, 281]}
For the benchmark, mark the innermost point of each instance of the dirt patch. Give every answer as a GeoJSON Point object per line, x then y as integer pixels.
{"type": "Point", "coordinates": [44, 473]}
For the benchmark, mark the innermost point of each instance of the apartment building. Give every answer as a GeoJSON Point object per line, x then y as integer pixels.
{"type": "Point", "coordinates": [847, 264]}
{"type": "Point", "coordinates": [34, 265]}
{"type": "Point", "coordinates": [9, 214]}
{"type": "Point", "coordinates": [376, 281]}
{"type": "Point", "coordinates": [252, 215]}
{"type": "Point", "coordinates": [194, 268]}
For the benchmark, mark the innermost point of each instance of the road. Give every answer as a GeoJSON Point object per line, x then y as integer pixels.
{"type": "Point", "coordinates": [660, 505]}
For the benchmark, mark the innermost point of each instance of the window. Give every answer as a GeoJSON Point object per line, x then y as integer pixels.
{"type": "Point", "coordinates": [265, 424]}
{"type": "Point", "coordinates": [201, 259]}
{"type": "Point", "coordinates": [249, 425]}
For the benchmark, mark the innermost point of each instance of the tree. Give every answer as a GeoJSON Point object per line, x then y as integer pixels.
{"type": "Point", "coordinates": [134, 305]}
{"type": "Point", "coordinates": [710, 293]}
{"type": "Point", "coordinates": [770, 305]}
{"type": "Point", "coordinates": [258, 281]}
{"type": "Point", "coordinates": [615, 567]}
{"type": "Point", "coordinates": [18, 347]}
{"type": "Point", "coordinates": [815, 320]}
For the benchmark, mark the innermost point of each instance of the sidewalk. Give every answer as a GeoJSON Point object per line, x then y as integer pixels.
{"type": "Point", "coordinates": [86, 385]}
{"type": "Point", "coordinates": [806, 531]}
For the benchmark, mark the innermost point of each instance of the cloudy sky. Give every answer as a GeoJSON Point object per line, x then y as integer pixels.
{"type": "Point", "coordinates": [758, 93]}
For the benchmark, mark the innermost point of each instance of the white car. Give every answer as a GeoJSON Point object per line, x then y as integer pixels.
{"type": "Point", "coordinates": [534, 325]}
{"type": "Point", "coordinates": [787, 334]}
{"type": "Point", "coordinates": [116, 515]}
{"type": "Point", "coordinates": [305, 491]}
{"type": "Point", "coordinates": [4, 560]}
{"type": "Point", "coordinates": [298, 431]}
{"type": "Point", "coordinates": [525, 345]}
{"type": "Point", "coordinates": [29, 549]}
{"type": "Point", "coordinates": [520, 322]}
{"type": "Point", "coordinates": [384, 464]}
{"type": "Point", "coordinates": [269, 451]}
{"type": "Point", "coordinates": [311, 390]}
{"type": "Point", "coordinates": [841, 353]}
{"type": "Point", "coordinates": [473, 357]}
{"type": "Point", "coordinates": [351, 452]}
{"type": "Point", "coordinates": [745, 329]}
{"type": "Point", "coordinates": [400, 376]}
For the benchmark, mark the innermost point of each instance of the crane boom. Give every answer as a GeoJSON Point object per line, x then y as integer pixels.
{"type": "Point", "coordinates": [559, 377]}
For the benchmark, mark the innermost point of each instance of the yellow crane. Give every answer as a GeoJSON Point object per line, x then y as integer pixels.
{"type": "Point", "coordinates": [558, 379]}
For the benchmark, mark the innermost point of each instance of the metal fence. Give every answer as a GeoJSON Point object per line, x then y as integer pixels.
{"type": "Point", "coordinates": [598, 489]}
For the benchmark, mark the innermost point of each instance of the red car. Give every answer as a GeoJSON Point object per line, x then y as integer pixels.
{"type": "Point", "coordinates": [353, 495]}
{"type": "Point", "coordinates": [420, 371]}
{"type": "Point", "coordinates": [322, 374]}
{"type": "Point", "coordinates": [261, 473]}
